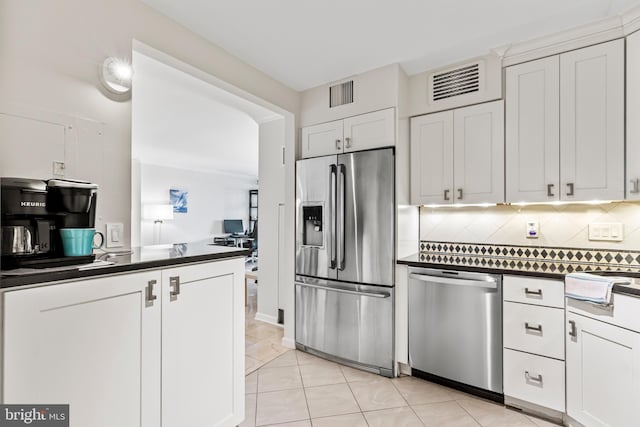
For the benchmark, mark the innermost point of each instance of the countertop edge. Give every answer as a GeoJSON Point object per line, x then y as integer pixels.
{"type": "Point", "coordinates": [618, 289]}
{"type": "Point", "coordinates": [9, 282]}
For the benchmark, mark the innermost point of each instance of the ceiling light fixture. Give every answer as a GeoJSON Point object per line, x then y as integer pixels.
{"type": "Point", "coordinates": [116, 75]}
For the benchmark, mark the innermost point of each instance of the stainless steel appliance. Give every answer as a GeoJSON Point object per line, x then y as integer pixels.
{"type": "Point", "coordinates": [455, 329]}
{"type": "Point", "coordinates": [32, 211]}
{"type": "Point", "coordinates": [345, 238]}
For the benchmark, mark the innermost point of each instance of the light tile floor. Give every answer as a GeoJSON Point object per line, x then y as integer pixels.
{"type": "Point", "coordinates": [299, 390]}
{"type": "Point", "coordinates": [262, 340]}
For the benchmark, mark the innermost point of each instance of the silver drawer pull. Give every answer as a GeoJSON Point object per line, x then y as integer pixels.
{"type": "Point", "coordinates": [533, 328]}
{"type": "Point", "coordinates": [537, 292]}
{"type": "Point", "coordinates": [149, 296]}
{"type": "Point", "coordinates": [174, 283]}
{"type": "Point", "coordinates": [346, 291]}
{"type": "Point", "coordinates": [573, 332]}
{"type": "Point", "coordinates": [528, 376]}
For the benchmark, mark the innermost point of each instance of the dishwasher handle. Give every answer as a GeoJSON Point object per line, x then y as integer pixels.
{"type": "Point", "coordinates": [347, 291]}
{"type": "Point", "coordinates": [486, 282]}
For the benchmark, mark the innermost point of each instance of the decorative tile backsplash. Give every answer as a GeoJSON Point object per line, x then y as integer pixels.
{"type": "Point", "coordinates": [529, 258]}
{"type": "Point", "coordinates": [560, 225]}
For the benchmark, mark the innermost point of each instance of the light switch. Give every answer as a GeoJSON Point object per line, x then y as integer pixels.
{"type": "Point", "coordinates": [114, 235]}
{"type": "Point", "coordinates": [610, 231]}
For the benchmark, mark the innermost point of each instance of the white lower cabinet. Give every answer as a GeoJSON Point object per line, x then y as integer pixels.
{"type": "Point", "coordinates": [122, 351]}
{"type": "Point", "coordinates": [533, 340]}
{"type": "Point", "coordinates": [603, 373]}
{"type": "Point", "coordinates": [535, 379]}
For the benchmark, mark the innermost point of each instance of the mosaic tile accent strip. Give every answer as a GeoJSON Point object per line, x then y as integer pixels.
{"type": "Point", "coordinates": [529, 258]}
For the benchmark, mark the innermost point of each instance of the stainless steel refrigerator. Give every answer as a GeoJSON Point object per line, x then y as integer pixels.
{"type": "Point", "coordinates": [345, 256]}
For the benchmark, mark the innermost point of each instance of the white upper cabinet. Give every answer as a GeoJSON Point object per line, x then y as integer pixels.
{"type": "Point", "coordinates": [533, 131]}
{"type": "Point", "coordinates": [322, 139]}
{"type": "Point", "coordinates": [565, 126]}
{"type": "Point", "coordinates": [592, 122]}
{"type": "Point", "coordinates": [432, 158]}
{"type": "Point", "coordinates": [633, 111]}
{"type": "Point", "coordinates": [362, 132]}
{"type": "Point", "coordinates": [458, 156]}
{"type": "Point", "coordinates": [368, 131]}
{"type": "Point", "coordinates": [478, 152]}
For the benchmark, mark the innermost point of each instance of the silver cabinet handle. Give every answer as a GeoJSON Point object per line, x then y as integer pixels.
{"type": "Point", "coordinates": [337, 144]}
{"type": "Point", "coordinates": [149, 296]}
{"type": "Point", "coordinates": [573, 332]}
{"type": "Point", "coordinates": [537, 292]}
{"type": "Point", "coordinates": [446, 194]}
{"type": "Point", "coordinates": [550, 190]}
{"type": "Point", "coordinates": [459, 193]}
{"type": "Point", "coordinates": [174, 283]}
{"type": "Point", "coordinates": [635, 184]}
{"type": "Point", "coordinates": [537, 378]}
{"type": "Point", "coordinates": [570, 192]}
{"type": "Point", "coordinates": [533, 328]}
{"type": "Point", "coordinates": [347, 141]}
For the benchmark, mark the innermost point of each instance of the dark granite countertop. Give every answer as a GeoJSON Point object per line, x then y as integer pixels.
{"type": "Point", "coordinates": [485, 267]}
{"type": "Point", "coordinates": [140, 259]}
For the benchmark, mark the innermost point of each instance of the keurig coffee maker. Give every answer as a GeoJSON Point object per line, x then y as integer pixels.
{"type": "Point", "coordinates": [31, 215]}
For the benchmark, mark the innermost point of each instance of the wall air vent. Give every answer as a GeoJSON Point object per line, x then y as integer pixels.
{"type": "Point", "coordinates": [341, 94]}
{"type": "Point", "coordinates": [450, 83]}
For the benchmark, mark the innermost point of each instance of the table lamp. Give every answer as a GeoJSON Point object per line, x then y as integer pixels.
{"type": "Point", "coordinates": [158, 213]}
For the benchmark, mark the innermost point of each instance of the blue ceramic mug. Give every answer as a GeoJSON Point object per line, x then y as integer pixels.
{"type": "Point", "coordinates": [79, 241]}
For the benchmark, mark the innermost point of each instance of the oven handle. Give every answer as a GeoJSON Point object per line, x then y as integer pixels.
{"type": "Point", "coordinates": [346, 291]}
{"type": "Point", "coordinates": [488, 282]}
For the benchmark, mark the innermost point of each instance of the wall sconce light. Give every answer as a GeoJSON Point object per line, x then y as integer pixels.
{"type": "Point", "coordinates": [158, 213]}
{"type": "Point", "coordinates": [116, 75]}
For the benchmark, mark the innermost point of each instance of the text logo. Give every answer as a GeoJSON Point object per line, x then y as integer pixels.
{"type": "Point", "coordinates": [30, 204]}
{"type": "Point", "coordinates": [34, 415]}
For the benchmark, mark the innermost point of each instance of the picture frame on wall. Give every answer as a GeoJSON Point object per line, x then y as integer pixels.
{"type": "Point", "coordinates": [179, 200]}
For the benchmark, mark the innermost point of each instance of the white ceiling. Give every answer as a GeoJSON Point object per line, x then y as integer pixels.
{"type": "Point", "coordinates": [305, 43]}
{"type": "Point", "coordinates": [183, 122]}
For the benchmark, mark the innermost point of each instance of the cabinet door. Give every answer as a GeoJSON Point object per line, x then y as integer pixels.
{"type": "Point", "coordinates": [432, 158]}
{"type": "Point", "coordinates": [603, 373]}
{"type": "Point", "coordinates": [370, 130]}
{"type": "Point", "coordinates": [478, 153]}
{"type": "Point", "coordinates": [592, 122]}
{"type": "Point", "coordinates": [633, 112]}
{"type": "Point", "coordinates": [322, 139]}
{"type": "Point", "coordinates": [94, 344]}
{"type": "Point", "coordinates": [533, 131]}
{"type": "Point", "coordinates": [203, 345]}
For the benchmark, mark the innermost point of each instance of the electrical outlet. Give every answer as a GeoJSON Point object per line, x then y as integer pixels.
{"type": "Point", "coordinates": [115, 235]}
{"type": "Point", "coordinates": [533, 229]}
{"type": "Point", "coordinates": [609, 231]}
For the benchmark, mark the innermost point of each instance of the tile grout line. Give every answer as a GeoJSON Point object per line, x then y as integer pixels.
{"type": "Point", "coordinates": [408, 404]}
{"type": "Point", "coordinates": [353, 395]}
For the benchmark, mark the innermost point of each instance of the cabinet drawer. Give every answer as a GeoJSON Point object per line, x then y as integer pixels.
{"type": "Point", "coordinates": [534, 379]}
{"type": "Point", "coordinates": [534, 329]}
{"type": "Point", "coordinates": [532, 290]}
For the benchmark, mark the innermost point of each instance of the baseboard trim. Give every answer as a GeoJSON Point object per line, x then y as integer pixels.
{"type": "Point", "coordinates": [288, 342]}
{"type": "Point", "coordinates": [273, 320]}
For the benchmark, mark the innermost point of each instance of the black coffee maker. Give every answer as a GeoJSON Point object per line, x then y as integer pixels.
{"type": "Point", "coordinates": [32, 213]}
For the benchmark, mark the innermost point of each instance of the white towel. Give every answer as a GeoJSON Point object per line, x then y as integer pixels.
{"type": "Point", "coordinates": [589, 287]}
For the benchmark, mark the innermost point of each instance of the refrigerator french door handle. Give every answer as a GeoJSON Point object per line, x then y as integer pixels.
{"type": "Point", "coordinates": [333, 179]}
{"type": "Point", "coordinates": [341, 207]}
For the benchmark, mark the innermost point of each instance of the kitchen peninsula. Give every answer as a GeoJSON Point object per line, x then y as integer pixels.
{"type": "Point", "coordinates": [154, 338]}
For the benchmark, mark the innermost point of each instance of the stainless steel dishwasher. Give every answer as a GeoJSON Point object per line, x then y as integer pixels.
{"type": "Point", "coordinates": [455, 329]}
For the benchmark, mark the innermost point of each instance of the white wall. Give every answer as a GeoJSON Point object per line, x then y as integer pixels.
{"type": "Point", "coordinates": [271, 195]}
{"type": "Point", "coordinates": [49, 57]}
{"type": "Point", "coordinates": [212, 198]}
{"type": "Point", "coordinates": [563, 225]}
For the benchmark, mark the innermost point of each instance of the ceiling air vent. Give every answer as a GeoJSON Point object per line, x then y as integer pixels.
{"type": "Point", "coordinates": [341, 94]}
{"type": "Point", "coordinates": [455, 82]}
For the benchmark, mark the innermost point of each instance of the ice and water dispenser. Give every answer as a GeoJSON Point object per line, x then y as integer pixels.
{"type": "Point", "coordinates": [312, 230]}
